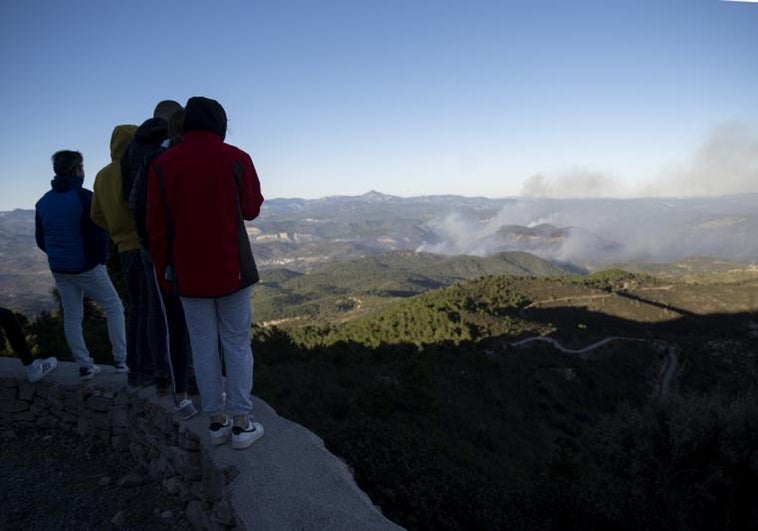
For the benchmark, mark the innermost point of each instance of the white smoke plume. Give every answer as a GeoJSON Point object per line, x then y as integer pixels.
{"type": "Point", "coordinates": [576, 183]}
{"type": "Point", "coordinates": [598, 232]}
{"type": "Point", "coordinates": [725, 163]}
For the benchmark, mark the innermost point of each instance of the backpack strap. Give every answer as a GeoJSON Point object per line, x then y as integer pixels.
{"type": "Point", "coordinates": [170, 273]}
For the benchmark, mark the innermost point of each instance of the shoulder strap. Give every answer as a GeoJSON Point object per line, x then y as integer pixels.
{"type": "Point", "coordinates": [170, 273]}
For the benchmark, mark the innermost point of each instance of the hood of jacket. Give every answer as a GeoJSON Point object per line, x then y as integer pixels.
{"type": "Point", "coordinates": [153, 131]}
{"type": "Point", "coordinates": [205, 114]}
{"type": "Point", "coordinates": [64, 183]}
{"type": "Point", "coordinates": [122, 135]}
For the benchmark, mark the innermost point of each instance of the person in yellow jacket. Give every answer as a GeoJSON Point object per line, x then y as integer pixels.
{"type": "Point", "coordinates": [111, 212]}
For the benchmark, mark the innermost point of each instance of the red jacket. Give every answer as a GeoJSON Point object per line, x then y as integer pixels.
{"type": "Point", "coordinates": [193, 191]}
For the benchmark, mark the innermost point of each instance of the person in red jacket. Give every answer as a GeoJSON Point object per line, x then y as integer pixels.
{"type": "Point", "coordinates": [199, 194]}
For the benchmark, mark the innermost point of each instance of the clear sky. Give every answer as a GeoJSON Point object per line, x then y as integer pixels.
{"type": "Point", "coordinates": [407, 97]}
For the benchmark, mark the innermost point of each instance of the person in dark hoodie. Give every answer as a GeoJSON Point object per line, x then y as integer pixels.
{"type": "Point", "coordinates": [149, 139]}
{"type": "Point", "coordinates": [77, 250]}
{"type": "Point", "coordinates": [199, 194]}
{"type": "Point", "coordinates": [177, 338]}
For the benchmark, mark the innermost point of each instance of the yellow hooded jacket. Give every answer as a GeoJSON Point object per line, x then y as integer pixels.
{"type": "Point", "coordinates": [109, 210]}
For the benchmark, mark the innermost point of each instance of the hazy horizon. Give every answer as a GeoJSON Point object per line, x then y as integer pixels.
{"type": "Point", "coordinates": [504, 198]}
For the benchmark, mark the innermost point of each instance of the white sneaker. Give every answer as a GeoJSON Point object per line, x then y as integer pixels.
{"type": "Point", "coordinates": [40, 368]}
{"type": "Point", "coordinates": [220, 432]}
{"type": "Point", "coordinates": [121, 368]}
{"type": "Point", "coordinates": [244, 437]}
{"type": "Point", "coordinates": [186, 409]}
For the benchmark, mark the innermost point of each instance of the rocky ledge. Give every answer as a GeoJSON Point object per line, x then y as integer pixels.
{"type": "Point", "coordinates": [287, 480]}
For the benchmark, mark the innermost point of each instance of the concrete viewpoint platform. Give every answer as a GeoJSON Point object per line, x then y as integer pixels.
{"type": "Point", "coordinates": [286, 481]}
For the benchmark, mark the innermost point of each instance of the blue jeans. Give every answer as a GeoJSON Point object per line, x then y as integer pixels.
{"type": "Point", "coordinates": [225, 319]}
{"type": "Point", "coordinates": [95, 284]}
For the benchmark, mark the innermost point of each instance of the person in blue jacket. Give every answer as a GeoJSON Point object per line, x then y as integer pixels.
{"type": "Point", "coordinates": [77, 250]}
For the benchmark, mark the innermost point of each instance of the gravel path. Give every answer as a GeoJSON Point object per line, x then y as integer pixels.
{"type": "Point", "coordinates": [50, 480]}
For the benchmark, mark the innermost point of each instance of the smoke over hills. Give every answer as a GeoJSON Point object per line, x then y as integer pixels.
{"type": "Point", "coordinates": [303, 235]}
{"type": "Point", "coordinates": [596, 232]}
{"type": "Point", "coordinates": [570, 217]}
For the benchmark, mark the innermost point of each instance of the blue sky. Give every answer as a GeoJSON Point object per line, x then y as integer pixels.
{"type": "Point", "coordinates": [405, 97]}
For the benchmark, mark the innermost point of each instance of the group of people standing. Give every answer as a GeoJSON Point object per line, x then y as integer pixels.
{"type": "Point", "coordinates": [173, 200]}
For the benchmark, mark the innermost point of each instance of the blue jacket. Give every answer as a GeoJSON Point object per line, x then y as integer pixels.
{"type": "Point", "coordinates": [64, 229]}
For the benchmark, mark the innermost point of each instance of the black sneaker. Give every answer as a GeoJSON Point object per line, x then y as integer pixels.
{"type": "Point", "coordinates": [87, 373]}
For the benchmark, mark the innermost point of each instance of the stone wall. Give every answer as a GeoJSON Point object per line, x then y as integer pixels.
{"type": "Point", "coordinates": [165, 448]}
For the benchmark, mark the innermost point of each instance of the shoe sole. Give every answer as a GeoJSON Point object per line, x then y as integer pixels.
{"type": "Point", "coordinates": [241, 445]}
{"type": "Point", "coordinates": [187, 416]}
{"type": "Point", "coordinates": [218, 441]}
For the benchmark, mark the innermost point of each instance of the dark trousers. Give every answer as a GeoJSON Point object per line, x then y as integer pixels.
{"type": "Point", "coordinates": [166, 331]}
{"type": "Point", "coordinates": [142, 355]}
{"type": "Point", "coordinates": [15, 336]}
{"type": "Point", "coordinates": [178, 338]}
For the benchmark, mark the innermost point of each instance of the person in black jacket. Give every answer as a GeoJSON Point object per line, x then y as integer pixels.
{"type": "Point", "coordinates": [151, 136]}
{"type": "Point", "coordinates": [35, 369]}
{"type": "Point", "coordinates": [180, 352]}
{"type": "Point", "coordinates": [149, 139]}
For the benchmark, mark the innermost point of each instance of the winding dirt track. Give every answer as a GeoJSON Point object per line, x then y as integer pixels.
{"type": "Point", "coordinates": [672, 359]}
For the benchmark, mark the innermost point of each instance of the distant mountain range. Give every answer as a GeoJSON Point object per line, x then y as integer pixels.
{"type": "Point", "coordinates": [303, 235]}
{"type": "Point", "coordinates": [588, 233]}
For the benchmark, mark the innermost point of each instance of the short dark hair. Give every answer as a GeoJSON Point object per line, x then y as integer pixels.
{"type": "Point", "coordinates": [166, 108]}
{"type": "Point", "coordinates": [66, 162]}
{"type": "Point", "coordinates": [176, 127]}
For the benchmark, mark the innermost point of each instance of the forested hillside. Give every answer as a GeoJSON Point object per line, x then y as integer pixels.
{"type": "Point", "coordinates": [448, 425]}
{"type": "Point", "coordinates": [347, 289]}
{"type": "Point", "coordinates": [449, 421]}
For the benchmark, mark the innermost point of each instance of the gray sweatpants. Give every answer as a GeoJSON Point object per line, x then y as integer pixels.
{"type": "Point", "coordinates": [227, 319]}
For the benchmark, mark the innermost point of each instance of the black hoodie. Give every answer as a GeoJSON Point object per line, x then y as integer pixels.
{"type": "Point", "coordinates": [147, 140]}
